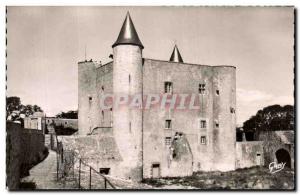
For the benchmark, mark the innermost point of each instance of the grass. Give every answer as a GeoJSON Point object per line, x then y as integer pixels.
{"type": "Point", "coordinates": [248, 178]}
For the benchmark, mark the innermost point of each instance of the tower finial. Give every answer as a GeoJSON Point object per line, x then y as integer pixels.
{"type": "Point", "coordinates": [128, 34]}
{"type": "Point", "coordinates": [176, 57]}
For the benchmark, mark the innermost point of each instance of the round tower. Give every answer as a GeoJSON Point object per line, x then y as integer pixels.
{"type": "Point", "coordinates": [127, 81]}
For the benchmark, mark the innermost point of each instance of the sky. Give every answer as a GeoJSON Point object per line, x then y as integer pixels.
{"type": "Point", "coordinates": [44, 45]}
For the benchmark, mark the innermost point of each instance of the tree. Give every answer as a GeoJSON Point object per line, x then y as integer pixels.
{"type": "Point", "coordinates": [69, 115]}
{"type": "Point", "coordinates": [271, 118]}
{"type": "Point", "coordinates": [12, 103]}
{"type": "Point", "coordinates": [14, 108]}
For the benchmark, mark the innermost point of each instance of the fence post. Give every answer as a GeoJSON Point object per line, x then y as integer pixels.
{"type": "Point", "coordinates": [105, 185]}
{"type": "Point", "coordinates": [57, 166]}
{"type": "Point", "coordinates": [79, 173]}
{"type": "Point", "coordinates": [73, 161]}
{"type": "Point", "coordinates": [90, 177]}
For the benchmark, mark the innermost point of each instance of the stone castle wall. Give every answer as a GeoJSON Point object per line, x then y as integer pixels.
{"type": "Point", "coordinates": [219, 151]}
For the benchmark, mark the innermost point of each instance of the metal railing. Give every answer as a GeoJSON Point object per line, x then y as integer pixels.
{"type": "Point", "coordinates": [71, 168]}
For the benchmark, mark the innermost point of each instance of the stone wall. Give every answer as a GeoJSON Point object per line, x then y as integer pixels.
{"type": "Point", "coordinates": [249, 154]}
{"type": "Point", "coordinates": [219, 151]}
{"type": "Point", "coordinates": [24, 149]}
{"type": "Point", "coordinates": [276, 140]}
{"type": "Point", "coordinates": [66, 123]}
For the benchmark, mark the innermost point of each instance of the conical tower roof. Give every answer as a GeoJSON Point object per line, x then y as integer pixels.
{"type": "Point", "coordinates": [176, 57]}
{"type": "Point", "coordinates": [128, 34]}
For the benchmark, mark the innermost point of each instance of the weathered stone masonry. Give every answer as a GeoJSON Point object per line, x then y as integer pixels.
{"type": "Point", "coordinates": [201, 139]}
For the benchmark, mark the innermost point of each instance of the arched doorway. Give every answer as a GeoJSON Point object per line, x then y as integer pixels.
{"type": "Point", "coordinates": [283, 156]}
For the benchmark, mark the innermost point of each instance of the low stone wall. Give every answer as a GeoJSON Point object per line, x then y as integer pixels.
{"type": "Point", "coordinates": [249, 154]}
{"type": "Point", "coordinates": [277, 140]}
{"type": "Point", "coordinates": [24, 149]}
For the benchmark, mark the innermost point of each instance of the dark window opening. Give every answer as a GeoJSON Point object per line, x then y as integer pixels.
{"type": "Point", "coordinates": [66, 122]}
{"type": "Point", "coordinates": [130, 127]}
{"type": "Point", "coordinates": [168, 124]}
{"type": "Point", "coordinates": [203, 140]}
{"type": "Point", "coordinates": [201, 88]}
{"type": "Point", "coordinates": [102, 88]}
{"type": "Point", "coordinates": [203, 124]}
{"type": "Point", "coordinates": [217, 125]}
{"type": "Point", "coordinates": [258, 154]}
{"type": "Point", "coordinates": [168, 87]}
{"type": "Point", "coordinates": [155, 165]}
{"type": "Point", "coordinates": [232, 110]}
{"type": "Point", "coordinates": [168, 141]}
{"type": "Point", "coordinates": [104, 171]}
{"type": "Point", "coordinates": [217, 92]}
{"type": "Point", "coordinates": [129, 79]}
{"type": "Point", "coordinates": [90, 98]}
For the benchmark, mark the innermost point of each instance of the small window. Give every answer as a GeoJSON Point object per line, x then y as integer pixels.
{"type": "Point", "coordinates": [104, 171]}
{"type": "Point", "coordinates": [201, 88]}
{"type": "Point", "coordinates": [203, 124]}
{"type": "Point", "coordinates": [203, 140]}
{"type": "Point", "coordinates": [232, 110]}
{"type": "Point", "coordinates": [168, 87]}
{"type": "Point", "coordinates": [102, 88]}
{"type": "Point", "coordinates": [168, 124]}
{"type": "Point", "coordinates": [168, 141]}
{"type": "Point", "coordinates": [102, 113]}
{"type": "Point", "coordinates": [129, 79]}
{"type": "Point", "coordinates": [90, 98]}
{"type": "Point", "coordinates": [66, 122]}
{"type": "Point", "coordinates": [217, 125]}
{"type": "Point", "coordinates": [217, 92]}
{"type": "Point", "coordinates": [130, 127]}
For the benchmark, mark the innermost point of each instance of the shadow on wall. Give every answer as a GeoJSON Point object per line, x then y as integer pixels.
{"type": "Point", "coordinates": [24, 149]}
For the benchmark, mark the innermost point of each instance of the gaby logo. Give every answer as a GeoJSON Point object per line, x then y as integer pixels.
{"type": "Point", "coordinates": [275, 167]}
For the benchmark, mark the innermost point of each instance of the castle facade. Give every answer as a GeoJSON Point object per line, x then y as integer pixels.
{"type": "Point", "coordinates": [160, 141]}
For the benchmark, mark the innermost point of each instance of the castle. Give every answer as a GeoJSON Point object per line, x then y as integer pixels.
{"type": "Point", "coordinates": [159, 142]}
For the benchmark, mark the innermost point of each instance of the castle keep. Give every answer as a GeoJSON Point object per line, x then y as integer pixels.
{"type": "Point", "coordinates": [158, 142]}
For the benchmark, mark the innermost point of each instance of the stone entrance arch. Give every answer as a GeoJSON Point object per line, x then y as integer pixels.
{"type": "Point", "coordinates": [283, 155]}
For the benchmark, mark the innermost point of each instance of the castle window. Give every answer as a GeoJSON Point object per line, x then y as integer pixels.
{"type": "Point", "coordinates": [203, 140]}
{"type": "Point", "coordinates": [168, 124]}
{"type": "Point", "coordinates": [217, 125]}
{"type": "Point", "coordinates": [168, 87]}
{"type": "Point", "coordinates": [130, 127]}
{"type": "Point", "coordinates": [201, 88]}
{"type": "Point", "coordinates": [232, 110]}
{"type": "Point", "coordinates": [203, 124]}
{"type": "Point", "coordinates": [104, 171]}
{"type": "Point", "coordinates": [66, 122]}
{"type": "Point", "coordinates": [217, 92]}
{"type": "Point", "coordinates": [168, 141]}
{"type": "Point", "coordinates": [102, 113]}
{"type": "Point", "coordinates": [129, 79]}
{"type": "Point", "coordinates": [90, 98]}
{"type": "Point", "coordinates": [102, 88]}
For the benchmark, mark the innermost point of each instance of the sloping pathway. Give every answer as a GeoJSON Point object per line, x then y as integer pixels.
{"type": "Point", "coordinates": [44, 175]}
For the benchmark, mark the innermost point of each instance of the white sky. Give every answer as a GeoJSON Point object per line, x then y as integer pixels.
{"type": "Point", "coordinates": [45, 44]}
